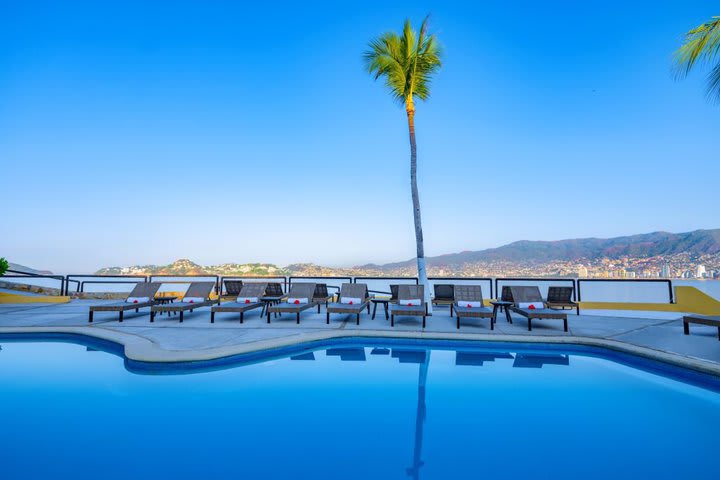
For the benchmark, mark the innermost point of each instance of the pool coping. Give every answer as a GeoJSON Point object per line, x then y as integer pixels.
{"type": "Point", "coordinates": [140, 349]}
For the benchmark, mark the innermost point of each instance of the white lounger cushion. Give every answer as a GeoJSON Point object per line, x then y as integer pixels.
{"type": "Point", "coordinates": [414, 302]}
{"type": "Point", "coordinates": [193, 300]}
{"type": "Point", "coordinates": [470, 304]}
{"type": "Point", "coordinates": [531, 305]}
{"type": "Point", "coordinates": [138, 299]}
{"type": "Point", "coordinates": [247, 299]}
{"type": "Point", "coordinates": [297, 301]}
{"type": "Point", "coordinates": [350, 300]}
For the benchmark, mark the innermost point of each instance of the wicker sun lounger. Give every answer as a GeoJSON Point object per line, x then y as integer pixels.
{"type": "Point", "coordinates": [528, 294]}
{"type": "Point", "coordinates": [350, 290]}
{"type": "Point", "coordinates": [322, 295]}
{"type": "Point", "coordinates": [409, 292]}
{"type": "Point", "coordinates": [444, 295]}
{"type": "Point", "coordinates": [141, 290]}
{"type": "Point", "coordinates": [561, 298]}
{"type": "Point", "coordinates": [298, 291]}
{"type": "Point", "coordinates": [232, 288]}
{"type": "Point", "coordinates": [200, 290]}
{"type": "Point", "coordinates": [712, 321]}
{"type": "Point", "coordinates": [249, 290]}
{"type": "Point", "coordinates": [471, 293]}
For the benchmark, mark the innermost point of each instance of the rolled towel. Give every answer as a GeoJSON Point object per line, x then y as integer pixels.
{"type": "Point", "coordinates": [350, 300]}
{"type": "Point", "coordinates": [297, 301]}
{"type": "Point", "coordinates": [414, 302]}
{"type": "Point", "coordinates": [138, 299]}
{"type": "Point", "coordinates": [247, 299]}
{"type": "Point", "coordinates": [470, 304]}
{"type": "Point", "coordinates": [193, 299]}
{"type": "Point", "coordinates": [531, 305]}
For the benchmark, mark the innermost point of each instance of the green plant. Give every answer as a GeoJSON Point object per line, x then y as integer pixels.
{"type": "Point", "coordinates": [407, 61]}
{"type": "Point", "coordinates": [4, 265]}
{"type": "Point", "coordinates": [702, 45]}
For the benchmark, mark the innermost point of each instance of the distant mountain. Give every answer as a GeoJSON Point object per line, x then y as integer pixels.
{"type": "Point", "coordinates": [522, 253]}
{"type": "Point", "coordinates": [22, 268]}
{"type": "Point", "coordinates": [699, 242]}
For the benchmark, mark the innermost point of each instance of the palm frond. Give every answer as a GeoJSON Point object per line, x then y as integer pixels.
{"type": "Point", "coordinates": [701, 44]}
{"type": "Point", "coordinates": [407, 61]}
{"type": "Point", "coordinates": [713, 91]}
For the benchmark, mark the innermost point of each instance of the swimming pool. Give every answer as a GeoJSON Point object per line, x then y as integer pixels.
{"type": "Point", "coordinates": [353, 410]}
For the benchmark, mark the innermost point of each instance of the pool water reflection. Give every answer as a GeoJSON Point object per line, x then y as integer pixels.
{"type": "Point", "coordinates": [351, 411]}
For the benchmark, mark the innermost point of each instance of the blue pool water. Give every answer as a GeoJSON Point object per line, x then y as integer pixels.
{"type": "Point", "coordinates": [354, 411]}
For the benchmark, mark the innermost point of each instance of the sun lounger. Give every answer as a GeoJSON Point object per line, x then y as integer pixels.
{"type": "Point", "coordinates": [321, 295]}
{"type": "Point", "coordinates": [443, 295]}
{"type": "Point", "coordinates": [197, 296]}
{"type": "Point", "coordinates": [252, 294]}
{"type": "Point", "coordinates": [142, 296]}
{"type": "Point", "coordinates": [232, 288]}
{"type": "Point", "coordinates": [712, 321]}
{"type": "Point", "coordinates": [561, 298]}
{"type": "Point", "coordinates": [531, 295]}
{"type": "Point", "coordinates": [299, 299]}
{"type": "Point", "coordinates": [469, 303]}
{"type": "Point", "coordinates": [357, 293]}
{"type": "Point", "coordinates": [408, 294]}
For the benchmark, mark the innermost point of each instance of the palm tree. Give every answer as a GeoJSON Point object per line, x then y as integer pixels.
{"type": "Point", "coordinates": [702, 44]}
{"type": "Point", "coordinates": [407, 62]}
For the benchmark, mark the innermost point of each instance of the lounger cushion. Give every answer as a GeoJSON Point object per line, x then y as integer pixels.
{"type": "Point", "coordinates": [297, 301]}
{"type": "Point", "coordinates": [247, 299]}
{"type": "Point", "coordinates": [413, 302]}
{"type": "Point", "coordinates": [193, 300]}
{"type": "Point", "coordinates": [470, 304]}
{"type": "Point", "coordinates": [350, 300]}
{"type": "Point", "coordinates": [138, 299]}
{"type": "Point", "coordinates": [531, 305]}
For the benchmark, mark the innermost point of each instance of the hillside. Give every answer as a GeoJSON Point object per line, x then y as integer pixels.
{"type": "Point", "coordinates": [699, 242]}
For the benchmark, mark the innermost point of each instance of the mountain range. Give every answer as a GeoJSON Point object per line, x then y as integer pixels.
{"type": "Point", "coordinates": [657, 244]}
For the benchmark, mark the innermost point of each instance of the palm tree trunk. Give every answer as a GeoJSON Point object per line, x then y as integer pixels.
{"type": "Point", "coordinates": [422, 272]}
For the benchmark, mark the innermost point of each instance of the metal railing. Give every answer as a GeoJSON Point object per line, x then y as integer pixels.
{"type": "Point", "coordinates": [77, 278]}
{"type": "Point", "coordinates": [571, 281]}
{"type": "Point", "coordinates": [78, 282]}
{"type": "Point", "coordinates": [282, 280]}
{"type": "Point", "coordinates": [21, 274]}
{"type": "Point", "coordinates": [473, 280]}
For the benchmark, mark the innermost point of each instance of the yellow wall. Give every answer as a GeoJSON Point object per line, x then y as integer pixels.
{"type": "Point", "coordinates": [687, 299]}
{"type": "Point", "coordinates": [16, 298]}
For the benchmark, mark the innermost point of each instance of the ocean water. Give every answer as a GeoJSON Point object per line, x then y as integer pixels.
{"type": "Point", "coordinates": [351, 412]}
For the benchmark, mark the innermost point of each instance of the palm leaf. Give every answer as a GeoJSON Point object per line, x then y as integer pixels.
{"type": "Point", "coordinates": [701, 46]}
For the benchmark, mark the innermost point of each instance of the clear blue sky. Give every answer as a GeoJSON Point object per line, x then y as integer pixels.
{"type": "Point", "coordinates": [140, 132]}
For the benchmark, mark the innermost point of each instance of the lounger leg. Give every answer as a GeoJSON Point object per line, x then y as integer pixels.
{"type": "Point", "coordinates": [181, 316]}
{"type": "Point", "coordinates": [507, 315]}
{"type": "Point", "coordinates": [297, 320]}
{"type": "Point", "coordinates": [565, 322]}
{"type": "Point", "coordinates": [121, 315]}
{"type": "Point", "coordinates": [268, 315]}
{"type": "Point", "coordinates": [451, 310]}
{"type": "Point", "coordinates": [318, 308]}
{"type": "Point", "coordinates": [374, 311]}
{"type": "Point", "coordinates": [686, 328]}
{"type": "Point", "coordinates": [424, 317]}
{"type": "Point", "coordinates": [392, 320]}
{"type": "Point", "coordinates": [327, 318]}
{"type": "Point", "coordinates": [152, 315]}
{"type": "Point", "coordinates": [137, 310]}
{"type": "Point", "coordinates": [357, 320]}
{"type": "Point", "coordinates": [212, 317]}
{"type": "Point", "coordinates": [495, 311]}
{"type": "Point", "coordinates": [368, 307]}
{"type": "Point", "coordinates": [577, 309]}
{"type": "Point", "coordinates": [718, 333]}
{"type": "Point", "coordinates": [492, 324]}
{"type": "Point", "coordinates": [386, 310]}
{"type": "Point", "coordinates": [458, 322]}
{"type": "Point", "coordinates": [242, 317]}
{"type": "Point", "coordinates": [529, 324]}
{"type": "Point", "coordinates": [90, 317]}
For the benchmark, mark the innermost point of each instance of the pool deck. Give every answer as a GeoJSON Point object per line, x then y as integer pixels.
{"type": "Point", "coordinates": [655, 336]}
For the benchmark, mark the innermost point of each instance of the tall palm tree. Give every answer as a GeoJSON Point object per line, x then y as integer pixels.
{"type": "Point", "coordinates": [702, 45]}
{"type": "Point", "coordinates": [407, 62]}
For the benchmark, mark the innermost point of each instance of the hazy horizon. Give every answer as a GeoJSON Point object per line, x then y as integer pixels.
{"type": "Point", "coordinates": [232, 133]}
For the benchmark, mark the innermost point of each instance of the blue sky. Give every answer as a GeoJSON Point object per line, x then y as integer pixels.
{"type": "Point", "coordinates": [141, 132]}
